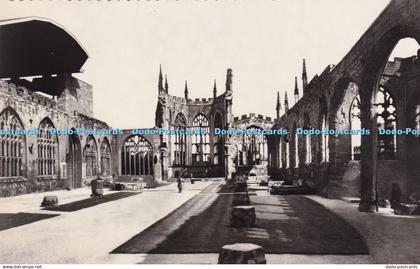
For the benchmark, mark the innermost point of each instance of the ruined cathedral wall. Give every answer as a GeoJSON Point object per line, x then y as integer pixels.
{"type": "Point", "coordinates": [117, 144]}
{"type": "Point", "coordinates": [31, 108]}
{"type": "Point", "coordinates": [359, 71]}
{"type": "Point", "coordinates": [189, 108]}
{"type": "Point", "coordinates": [315, 173]}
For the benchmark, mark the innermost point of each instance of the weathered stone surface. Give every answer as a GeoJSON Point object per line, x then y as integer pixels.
{"type": "Point", "coordinates": [384, 203]}
{"type": "Point", "coordinates": [33, 109]}
{"type": "Point", "coordinates": [241, 186]}
{"type": "Point", "coordinates": [49, 200]}
{"type": "Point", "coordinates": [337, 169]}
{"type": "Point", "coordinates": [97, 187]}
{"type": "Point", "coordinates": [243, 216]}
{"type": "Point", "coordinates": [242, 253]}
{"type": "Point", "coordinates": [407, 209]}
{"type": "Point", "coordinates": [240, 199]}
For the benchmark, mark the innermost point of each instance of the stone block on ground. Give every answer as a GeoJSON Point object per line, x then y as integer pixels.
{"type": "Point", "coordinates": [49, 200]}
{"type": "Point", "coordinates": [97, 187]}
{"type": "Point", "coordinates": [119, 186]}
{"type": "Point", "coordinates": [384, 203]}
{"type": "Point", "coordinates": [243, 216]}
{"type": "Point", "coordinates": [407, 209]}
{"type": "Point", "coordinates": [240, 199]}
{"type": "Point", "coordinates": [242, 253]}
{"type": "Point", "coordinates": [241, 186]}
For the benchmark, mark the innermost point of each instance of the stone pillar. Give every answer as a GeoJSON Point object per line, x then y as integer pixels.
{"type": "Point", "coordinates": [164, 163]}
{"type": "Point", "coordinates": [230, 150]}
{"type": "Point", "coordinates": [157, 169]}
{"type": "Point", "coordinates": [369, 156]}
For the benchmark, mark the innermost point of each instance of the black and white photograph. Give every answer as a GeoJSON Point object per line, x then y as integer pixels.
{"type": "Point", "coordinates": [209, 132]}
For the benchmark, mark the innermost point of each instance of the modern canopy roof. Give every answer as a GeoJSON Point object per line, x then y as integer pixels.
{"type": "Point", "coordinates": [37, 46]}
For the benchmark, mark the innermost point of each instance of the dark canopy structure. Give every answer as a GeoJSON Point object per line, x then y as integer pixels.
{"type": "Point", "coordinates": [36, 46]}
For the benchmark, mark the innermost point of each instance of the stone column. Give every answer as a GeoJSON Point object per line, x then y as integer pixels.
{"type": "Point", "coordinates": [369, 156]}
{"type": "Point", "coordinates": [157, 169]}
{"type": "Point", "coordinates": [164, 163]}
{"type": "Point", "coordinates": [230, 150]}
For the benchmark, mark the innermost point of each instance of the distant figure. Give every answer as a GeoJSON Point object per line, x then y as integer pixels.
{"type": "Point", "coordinates": [395, 196]}
{"type": "Point", "coordinates": [179, 181]}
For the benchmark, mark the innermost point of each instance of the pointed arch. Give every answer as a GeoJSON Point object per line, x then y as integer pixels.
{"type": "Point", "coordinates": [387, 119]}
{"type": "Point", "coordinates": [323, 122]}
{"type": "Point", "coordinates": [308, 142]}
{"type": "Point", "coordinates": [286, 142]}
{"type": "Point", "coordinates": [47, 149]}
{"type": "Point", "coordinates": [218, 139]}
{"type": "Point", "coordinates": [296, 146]}
{"type": "Point", "coordinates": [105, 150]}
{"type": "Point", "coordinates": [136, 156]}
{"type": "Point", "coordinates": [180, 140]}
{"type": "Point", "coordinates": [200, 139]}
{"type": "Point", "coordinates": [355, 124]}
{"type": "Point", "coordinates": [255, 145]}
{"type": "Point", "coordinates": [90, 154]}
{"type": "Point", "coordinates": [12, 146]}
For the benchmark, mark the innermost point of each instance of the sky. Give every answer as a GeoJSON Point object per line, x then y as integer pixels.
{"type": "Point", "coordinates": [263, 42]}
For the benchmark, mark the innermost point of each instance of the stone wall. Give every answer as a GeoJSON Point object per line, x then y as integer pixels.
{"type": "Point", "coordinates": [331, 94]}
{"type": "Point", "coordinates": [76, 96]}
{"type": "Point", "coordinates": [31, 108]}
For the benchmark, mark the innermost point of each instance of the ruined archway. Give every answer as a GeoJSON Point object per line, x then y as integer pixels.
{"type": "Point", "coordinates": [375, 173]}
{"type": "Point", "coordinates": [345, 90]}
{"type": "Point", "coordinates": [74, 161]}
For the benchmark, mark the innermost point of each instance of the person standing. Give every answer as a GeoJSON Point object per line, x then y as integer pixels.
{"type": "Point", "coordinates": [395, 196]}
{"type": "Point", "coordinates": [179, 181]}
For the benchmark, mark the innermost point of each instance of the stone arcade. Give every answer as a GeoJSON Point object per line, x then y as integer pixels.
{"type": "Point", "coordinates": [363, 90]}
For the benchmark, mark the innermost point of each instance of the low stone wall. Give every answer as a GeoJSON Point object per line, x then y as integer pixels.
{"type": "Point", "coordinates": [20, 185]}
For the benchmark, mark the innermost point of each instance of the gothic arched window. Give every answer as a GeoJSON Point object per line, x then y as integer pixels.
{"type": "Point", "coordinates": [387, 119]}
{"type": "Point", "coordinates": [136, 156]}
{"type": "Point", "coordinates": [218, 140]}
{"type": "Point", "coordinates": [105, 157]}
{"type": "Point", "coordinates": [417, 118]}
{"type": "Point", "coordinates": [256, 146]}
{"type": "Point", "coordinates": [280, 145]}
{"type": "Point", "coordinates": [325, 152]}
{"type": "Point", "coordinates": [308, 144]}
{"type": "Point", "coordinates": [201, 140]}
{"type": "Point", "coordinates": [286, 143]}
{"type": "Point", "coordinates": [90, 152]}
{"type": "Point", "coordinates": [12, 146]}
{"type": "Point", "coordinates": [47, 152]}
{"type": "Point", "coordinates": [180, 142]}
{"type": "Point", "coordinates": [324, 138]}
{"type": "Point", "coordinates": [296, 145]}
{"type": "Point", "coordinates": [355, 124]}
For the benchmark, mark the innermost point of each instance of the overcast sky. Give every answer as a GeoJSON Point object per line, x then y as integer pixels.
{"type": "Point", "coordinates": [263, 42]}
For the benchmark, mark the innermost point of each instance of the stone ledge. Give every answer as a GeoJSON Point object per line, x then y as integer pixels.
{"type": "Point", "coordinates": [44, 178]}
{"type": "Point", "coordinates": [12, 179]}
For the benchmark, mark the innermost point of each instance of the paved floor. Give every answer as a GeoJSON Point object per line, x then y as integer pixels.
{"type": "Point", "coordinates": [390, 238]}
{"type": "Point", "coordinates": [284, 224]}
{"type": "Point", "coordinates": [89, 235]}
